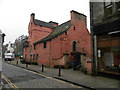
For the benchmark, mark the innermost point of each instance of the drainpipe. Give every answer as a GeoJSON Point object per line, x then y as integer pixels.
{"type": "Point", "coordinates": [92, 40]}
{"type": "Point", "coordinates": [95, 54]}
{"type": "Point", "coordinates": [50, 54]}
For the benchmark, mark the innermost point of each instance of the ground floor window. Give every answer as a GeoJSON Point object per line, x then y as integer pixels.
{"type": "Point", "coordinates": [109, 58]}
{"type": "Point", "coordinates": [30, 57]}
{"type": "Point", "coordinates": [36, 57]}
{"type": "Point", "coordinates": [33, 56]}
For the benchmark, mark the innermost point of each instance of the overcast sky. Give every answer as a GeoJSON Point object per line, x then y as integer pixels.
{"type": "Point", "coordinates": [15, 14]}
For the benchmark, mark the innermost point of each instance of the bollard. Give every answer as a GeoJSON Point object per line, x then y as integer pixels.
{"type": "Point", "coordinates": [26, 64]}
{"type": "Point", "coordinates": [10, 61]}
{"type": "Point", "coordinates": [59, 71]}
{"type": "Point", "coordinates": [17, 62]}
{"type": "Point", "coordinates": [42, 67]}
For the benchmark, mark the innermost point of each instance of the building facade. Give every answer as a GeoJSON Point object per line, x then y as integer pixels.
{"type": "Point", "coordinates": [66, 44]}
{"type": "Point", "coordinates": [105, 28]}
{"type": "Point", "coordinates": [18, 45]}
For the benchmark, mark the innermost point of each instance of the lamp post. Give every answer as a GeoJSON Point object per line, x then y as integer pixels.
{"type": "Point", "coordinates": [1, 44]}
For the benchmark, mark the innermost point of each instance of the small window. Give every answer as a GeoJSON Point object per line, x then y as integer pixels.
{"type": "Point", "coordinates": [36, 56]}
{"type": "Point", "coordinates": [30, 57]}
{"type": "Point", "coordinates": [34, 47]}
{"type": "Point", "coordinates": [74, 28]}
{"type": "Point", "coordinates": [66, 33]}
{"type": "Point", "coordinates": [33, 56]}
{"type": "Point", "coordinates": [11, 45]}
{"type": "Point", "coordinates": [44, 45]}
{"type": "Point", "coordinates": [74, 46]}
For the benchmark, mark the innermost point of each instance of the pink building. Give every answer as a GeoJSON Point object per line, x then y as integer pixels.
{"type": "Point", "coordinates": [66, 44]}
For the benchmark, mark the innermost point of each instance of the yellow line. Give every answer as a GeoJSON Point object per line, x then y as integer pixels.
{"type": "Point", "coordinates": [53, 78]}
{"type": "Point", "coordinates": [9, 82]}
{"type": "Point", "coordinates": [11, 85]}
{"type": "Point", "coordinates": [36, 73]}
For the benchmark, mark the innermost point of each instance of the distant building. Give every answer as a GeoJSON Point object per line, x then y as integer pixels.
{"type": "Point", "coordinates": [105, 28]}
{"type": "Point", "coordinates": [53, 45]}
{"type": "Point", "coordinates": [18, 45]}
{"type": "Point", "coordinates": [10, 47]}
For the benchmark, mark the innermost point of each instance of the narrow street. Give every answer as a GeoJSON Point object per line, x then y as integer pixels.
{"type": "Point", "coordinates": [55, 45]}
{"type": "Point", "coordinates": [15, 77]}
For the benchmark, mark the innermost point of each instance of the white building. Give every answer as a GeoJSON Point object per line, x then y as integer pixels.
{"type": "Point", "coordinates": [10, 48]}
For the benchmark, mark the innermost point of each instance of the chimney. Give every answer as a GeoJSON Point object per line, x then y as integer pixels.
{"type": "Point", "coordinates": [75, 16]}
{"type": "Point", "coordinates": [33, 16]}
{"type": "Point", "coordinates": [53, 23]}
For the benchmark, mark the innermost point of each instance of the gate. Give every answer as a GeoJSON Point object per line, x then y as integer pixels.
{"type": "Point", "coordinates": [76, 60]}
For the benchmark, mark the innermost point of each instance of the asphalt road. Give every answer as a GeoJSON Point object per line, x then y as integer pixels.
{"type": "Point", "coordinates": [16, 77]}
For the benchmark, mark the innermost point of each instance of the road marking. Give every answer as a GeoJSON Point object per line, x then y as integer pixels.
{"type": "Point", "coordinates": [9, 82]}
{"type": "Point", "coordinates": [36, 73]}
{"type": "Point", "coordinates": [52, 78]}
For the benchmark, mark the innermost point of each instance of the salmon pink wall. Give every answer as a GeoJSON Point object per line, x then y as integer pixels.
{"type": "Point", "coordinates": [63, 43]}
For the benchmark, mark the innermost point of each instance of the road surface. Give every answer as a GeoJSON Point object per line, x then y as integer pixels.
{"type": "Point", "coordinates": [16, 77]}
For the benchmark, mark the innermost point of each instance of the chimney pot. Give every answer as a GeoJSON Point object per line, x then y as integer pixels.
{"type": "Point", "coordinates": [33, 16]}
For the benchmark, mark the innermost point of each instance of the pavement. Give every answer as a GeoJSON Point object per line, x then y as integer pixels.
{"type": "Point", "coordinates": [70, 75]}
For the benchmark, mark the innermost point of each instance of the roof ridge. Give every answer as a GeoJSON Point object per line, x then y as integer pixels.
{"type": "Point", "coordinates": [43, 23]}
{"type": "Point", "coordinates": [63, 23]}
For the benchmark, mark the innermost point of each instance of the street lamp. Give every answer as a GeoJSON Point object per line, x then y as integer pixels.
{"type": "Point", "coordinates": [1, 44]}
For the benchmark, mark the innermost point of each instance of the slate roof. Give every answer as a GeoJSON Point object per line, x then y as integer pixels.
{"type": "Point", "coordinates": [42, 23]}
{"type": "Point", "coordinates": [57, 31]}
